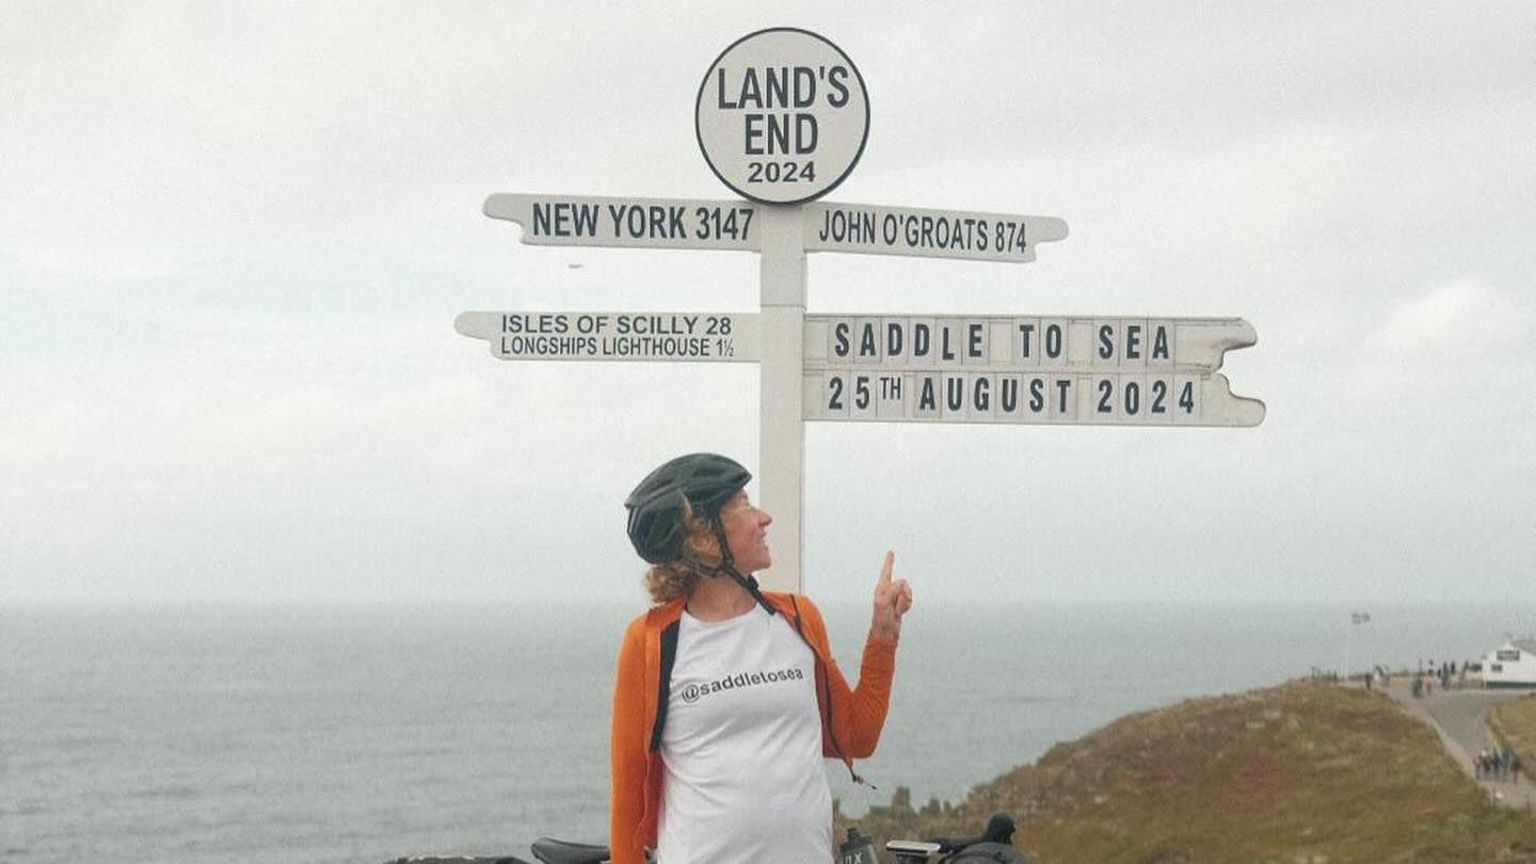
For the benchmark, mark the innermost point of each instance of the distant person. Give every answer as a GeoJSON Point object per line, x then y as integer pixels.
{"type": "Point", "coordinates": [727, 698]}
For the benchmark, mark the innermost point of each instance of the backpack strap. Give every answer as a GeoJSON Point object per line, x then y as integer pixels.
{"type": "Point", "coordinates": [664, 681]}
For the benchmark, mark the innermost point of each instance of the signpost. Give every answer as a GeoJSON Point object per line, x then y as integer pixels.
{"type": "Point", "coordinates": [782, 117]}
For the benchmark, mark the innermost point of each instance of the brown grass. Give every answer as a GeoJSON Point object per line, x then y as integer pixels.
{"type": "Point", "coordinates": [1304, 772]}
{"type": "Point", "coordinates": [1515, 722]}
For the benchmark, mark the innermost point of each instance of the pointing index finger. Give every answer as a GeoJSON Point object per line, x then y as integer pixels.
{"type": "Point", "coordinates": [885, 569]}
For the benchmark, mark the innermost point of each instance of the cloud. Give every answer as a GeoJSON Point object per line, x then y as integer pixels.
{"type": "Point", "coordinates": [1464, 314]}
{"type": "Point", "coordinates": [1422, 349]}
{"type": "Point", "coordinates": [232, 244]}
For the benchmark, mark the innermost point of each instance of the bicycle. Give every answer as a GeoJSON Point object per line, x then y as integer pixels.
{"type": "Point", "coordinates": [993, 844]}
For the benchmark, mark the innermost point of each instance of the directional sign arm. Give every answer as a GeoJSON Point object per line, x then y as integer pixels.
{"type": "Point", "coordinates": [641, 223]}
{"type": "Point", "coordinates": [1085, 343]}
{"type": "Point", "coordinates": [655, 336]}
{"type": "Point", "coordinates": [1025, 369]}
{"type": "Point", "coordinates": [878, 229]}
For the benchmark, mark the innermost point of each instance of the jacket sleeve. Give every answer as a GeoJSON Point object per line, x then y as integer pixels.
{"type": "Point", "coordinates": [858, 713]}
{"type": "Point", "coordinates": [627, 753]}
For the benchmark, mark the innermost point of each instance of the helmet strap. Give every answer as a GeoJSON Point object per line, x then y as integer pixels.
{"type": "Point", "coordinates": [728, 567]}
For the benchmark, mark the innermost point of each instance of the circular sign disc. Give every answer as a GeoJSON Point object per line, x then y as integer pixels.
{"type": "Point", "coordinates": [782, 116]}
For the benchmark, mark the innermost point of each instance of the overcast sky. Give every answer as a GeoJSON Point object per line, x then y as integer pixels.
{"type": "Point", "coordinates": [233, 240]}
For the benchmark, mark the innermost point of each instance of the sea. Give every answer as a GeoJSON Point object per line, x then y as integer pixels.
{"type": "Point", "coordinates": [361, 734]}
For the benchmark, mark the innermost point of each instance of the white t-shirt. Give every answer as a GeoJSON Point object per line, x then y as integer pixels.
{"type": "Point", "coordinates": [742, 747]}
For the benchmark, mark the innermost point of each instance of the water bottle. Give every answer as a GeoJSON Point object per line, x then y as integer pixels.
{"type": "Point", "coordinates": [857, 849]}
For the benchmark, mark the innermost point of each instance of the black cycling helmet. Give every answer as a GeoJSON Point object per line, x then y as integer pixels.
{"type": "Point", "coordinates": [706, 481]}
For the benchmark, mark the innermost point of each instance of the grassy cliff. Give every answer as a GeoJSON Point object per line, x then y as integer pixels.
{"type": "Point", "coordinates": [1304, 772]}
{"type": "Point", "coordinates": [1516, 722]}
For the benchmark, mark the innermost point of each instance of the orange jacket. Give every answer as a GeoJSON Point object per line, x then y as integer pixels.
{"type": "Point", "coordinates": [851, 718]}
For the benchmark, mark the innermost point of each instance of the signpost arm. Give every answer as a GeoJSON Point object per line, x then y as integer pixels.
{"type": "Point", "coordinates": [781, 424]}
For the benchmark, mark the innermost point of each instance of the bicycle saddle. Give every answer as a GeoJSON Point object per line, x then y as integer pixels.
{"type": "Point", "coordinates": [552, 851]}
{"type": "Point", "coordinates": [999, 830]}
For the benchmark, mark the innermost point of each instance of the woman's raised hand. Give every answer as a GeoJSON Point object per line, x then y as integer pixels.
{"type": "Point", "coordinates": [893, 597]}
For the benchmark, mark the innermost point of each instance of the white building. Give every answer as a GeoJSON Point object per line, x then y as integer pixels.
{"type": "Point", "coordinates": [1512, 664]}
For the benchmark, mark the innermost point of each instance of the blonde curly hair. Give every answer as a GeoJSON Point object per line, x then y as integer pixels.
{"type": "Point", "coordinates": [674, 579]}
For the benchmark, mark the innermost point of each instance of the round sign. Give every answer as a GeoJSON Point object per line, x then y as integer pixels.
{"type": "Point", "coordinates": [782, 116]}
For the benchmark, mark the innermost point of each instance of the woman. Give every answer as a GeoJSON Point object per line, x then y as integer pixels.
{"type": "Point", "coordinates": [727, 697]}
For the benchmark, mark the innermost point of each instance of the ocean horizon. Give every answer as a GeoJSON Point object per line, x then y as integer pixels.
{"type": "Point", "coordinates": [336, 732]}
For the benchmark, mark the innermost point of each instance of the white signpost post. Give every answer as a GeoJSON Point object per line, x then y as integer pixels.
{"type": "Point", "coordinates": [782, 116]}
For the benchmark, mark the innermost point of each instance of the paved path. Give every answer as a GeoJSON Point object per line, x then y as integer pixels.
{"type": "Point", "coordinates": [1459, 718]}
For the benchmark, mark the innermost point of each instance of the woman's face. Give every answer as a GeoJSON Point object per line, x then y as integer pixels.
{"type": "Point", "coordinates": [746, 532]}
